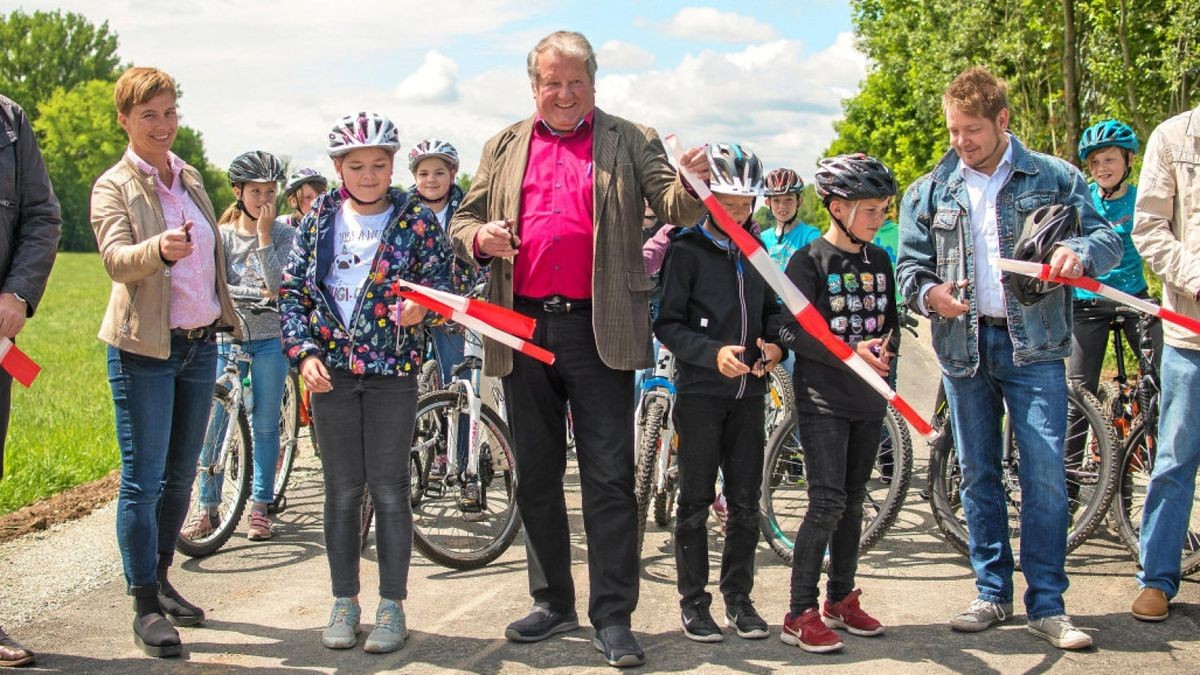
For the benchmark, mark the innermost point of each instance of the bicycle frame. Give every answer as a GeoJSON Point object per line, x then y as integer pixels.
{"type": "Point", "coordinates": [231, 379]}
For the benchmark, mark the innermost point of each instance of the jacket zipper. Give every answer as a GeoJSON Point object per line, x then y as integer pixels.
{"type": "Point", "coordinates": [742, 302]}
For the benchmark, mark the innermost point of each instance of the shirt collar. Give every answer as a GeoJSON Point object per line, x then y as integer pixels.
{"type": "Point", "coordinates": [1002, 168]}
{"type": "Point", "coordinates": [540, 124]}
{"type": "Point", "coordinates": [173, 161]}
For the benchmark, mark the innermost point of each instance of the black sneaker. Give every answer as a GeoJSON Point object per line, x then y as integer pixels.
{"type": "Point", "coordinates": [698, 624]}
{"type": "Point", "coordinates": [741, 616]}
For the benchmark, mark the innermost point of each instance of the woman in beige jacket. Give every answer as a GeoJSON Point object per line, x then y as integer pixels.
{"type": "Point", "coordinates": [157, 235]}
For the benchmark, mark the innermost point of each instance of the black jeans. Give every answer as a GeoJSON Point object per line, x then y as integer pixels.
{"type": "Point", "coordinates": [838, 456]}
{"type": "Point", "coordinates": [726, 434]}
{"type": "Point", "coordinates": [364, 426]}
{"type": "Point", "coordinates": [602, 411]}
{"type": "Point", "coordinates": [1089, 344]}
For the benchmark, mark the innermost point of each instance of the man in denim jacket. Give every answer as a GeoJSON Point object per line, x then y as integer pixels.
{"type": "Point", "coordinates": [954, 222]}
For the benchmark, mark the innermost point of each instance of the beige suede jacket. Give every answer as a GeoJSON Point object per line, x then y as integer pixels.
{"type": "Point", "coordinates": [1166, 220]}
{"type": "Point", "coordinates": [128, 221]}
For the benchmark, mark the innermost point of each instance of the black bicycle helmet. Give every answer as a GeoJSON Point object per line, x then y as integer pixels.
{"type": "Point", "coordinates": [255, 166]}
{"type": "Point", "coordinates": [302, 177]}
{"type": "Point", "coordinates": [853, 177]}
{"type": "Point", "coordinates": [1044, 229]}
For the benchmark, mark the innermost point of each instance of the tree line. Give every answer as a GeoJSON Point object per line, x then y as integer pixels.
{"type": "Point", "coordinates": [61, 69]}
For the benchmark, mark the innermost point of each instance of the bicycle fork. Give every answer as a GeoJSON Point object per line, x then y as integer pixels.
{"type": "Point", "coordinates": [473, 408]}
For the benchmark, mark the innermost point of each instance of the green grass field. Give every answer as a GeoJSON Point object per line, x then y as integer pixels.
{"type": "Point", "coordinates": [61, 430]}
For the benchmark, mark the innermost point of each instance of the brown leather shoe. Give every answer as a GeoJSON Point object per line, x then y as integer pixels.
{"type": "Point", "coordinates": [13, 653]}
{"type": "Point", "coordinates": [1150, 605]}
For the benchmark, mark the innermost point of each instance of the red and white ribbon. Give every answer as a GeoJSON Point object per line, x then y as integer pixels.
{"type": "Point", "coordinates": [17, 363]}
{"type": "Point", "coordinates": [1042, 271]}
{"type": "Point", "coordinates": [807, 315]}
{"type": "Point", "coordinates": [502, 318]}
{"type": "Point", "coordinates": [472, 322]}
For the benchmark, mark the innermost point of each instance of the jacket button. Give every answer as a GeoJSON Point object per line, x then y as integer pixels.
{"type": "Point", "coordinates": [507, 276]}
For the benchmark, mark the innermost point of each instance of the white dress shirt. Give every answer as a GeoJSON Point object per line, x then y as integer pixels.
{"type": "Point", "coordinates": [982, 191]}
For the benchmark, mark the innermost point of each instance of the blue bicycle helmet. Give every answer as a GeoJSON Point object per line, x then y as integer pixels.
{"type": "Point", "coordinates": [1107, 134]}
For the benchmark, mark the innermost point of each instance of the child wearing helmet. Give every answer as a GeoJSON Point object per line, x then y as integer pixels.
{"type": "Point", "coordinates": [359, 350]}
{"type": "Point", "coordinates": [784, 189]}
{"type": "Point", "coordinates": [256, 248]}
{"type": "Point", "coordinates": [838, 416]}
{"type": "Point", "coordinates": [1108, 148]}
{"type": "Point", "coordinates": [300, 191]}
{"type": "Point", "coordinates": [715, 315]}
{"type": "Point", "coordinates": [434, 166]}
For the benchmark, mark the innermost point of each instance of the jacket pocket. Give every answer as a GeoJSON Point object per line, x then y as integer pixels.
{"type": "Point", "coordinates": [1029, 202]}
{"type": "Point", "coordinates": [638, 281]}
{"type": "Point", "coordinates": [947, 240]}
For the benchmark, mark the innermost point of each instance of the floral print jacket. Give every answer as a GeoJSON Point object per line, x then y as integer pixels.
{"type": "Point", "coordinates": [369, 341]}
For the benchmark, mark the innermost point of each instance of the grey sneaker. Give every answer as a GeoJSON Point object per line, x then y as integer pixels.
{"type": "Point", "coordinates": [981, 615]}
{"type": "Point", "coordinates": [390, 629]}
{"type": "Point", "coordinates": [342, 630]}
{"type": "Point", "coordinates": [1060, 632]}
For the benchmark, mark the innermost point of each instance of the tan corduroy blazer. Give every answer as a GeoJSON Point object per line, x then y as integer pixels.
{"type": "Point", "coordinates": [629, 164]}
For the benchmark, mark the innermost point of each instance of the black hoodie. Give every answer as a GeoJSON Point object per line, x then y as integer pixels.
{"type": "Point", "coordinates": [713, 297]}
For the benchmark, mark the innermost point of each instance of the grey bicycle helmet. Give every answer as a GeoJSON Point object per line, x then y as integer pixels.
{"type": "Point", "coordinates": [255, 167]}
{"type": "Point", "coordinates": [784, 182]}
{"type": "Point", "coordinates": [302, 177]}
{"type": "Point", "coordinates": [433, 147]}
{"type": "Point", "coordinates": [1044, 229]}
{"type": "Point", "coordinates": [853, 177]}
{"type": "Point", "coordinates": [735, 170]}
{"type": "Point", "coordinates": [362, 130]}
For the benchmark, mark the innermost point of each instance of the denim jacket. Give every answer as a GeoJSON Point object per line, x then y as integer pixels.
{"type": "Point", "coordinates": [936, 247]}
{"type": "Point", "coordinates": [368, 342]}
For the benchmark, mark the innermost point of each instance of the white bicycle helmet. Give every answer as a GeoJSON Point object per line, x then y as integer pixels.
{"type": "Point", "coordinates": [433, 147]}
{"type": "Point", "coordinates": [735, 170]}
{"type": "Point", "coordinates": [363, 130]}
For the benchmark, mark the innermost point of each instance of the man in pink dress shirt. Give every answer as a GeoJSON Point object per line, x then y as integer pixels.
{"type": "Point", "coordinates": [556, 209]}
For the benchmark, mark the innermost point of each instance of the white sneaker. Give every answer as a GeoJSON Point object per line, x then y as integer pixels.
{"type": "Point", "coordinates": [981, 615]}
{"type": "Point", "coordinates": [1058, 631]}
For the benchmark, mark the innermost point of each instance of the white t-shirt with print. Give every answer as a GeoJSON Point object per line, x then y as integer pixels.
{"type": "Point", "coordinates": [355, 241]}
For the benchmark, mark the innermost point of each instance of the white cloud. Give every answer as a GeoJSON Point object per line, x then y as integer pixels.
{"type": "Point", "coordinates": [775, 98]}
{"type": "Point", "coordinates": [706, 24]}
{"type": "Point", "coordinates": [434, 81]}
{"type": "Point", "coordinates": [615, 55]}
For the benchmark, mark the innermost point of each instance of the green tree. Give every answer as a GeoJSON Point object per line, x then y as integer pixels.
{"type": "Point", "coordinates": [43, 52]}
{"type": "Point", "coordinates": [80, 139]}
{"type": "Point", "coordinates": [189, 145]}
{"type": "Point", "coordinates": [464, 182]}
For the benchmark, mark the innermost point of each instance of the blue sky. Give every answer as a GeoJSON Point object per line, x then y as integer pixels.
{"type": "Point", "coordinates": [275, 75]}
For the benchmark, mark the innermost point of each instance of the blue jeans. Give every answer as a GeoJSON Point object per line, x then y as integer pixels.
{"type": "Point", "coordinates": [1173, 484]}
{"type": "Point", "coordinates": [161, 408]}
{"type": "Point", "coordinates": [450, 348]}
{"type": "Point", "coordinates": [1036, 395]}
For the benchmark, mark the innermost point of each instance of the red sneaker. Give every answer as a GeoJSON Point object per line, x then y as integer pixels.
{"type": "Point", "coordinates": [808, 633]}
{"type": "Point", "coordinates": [849, 616]}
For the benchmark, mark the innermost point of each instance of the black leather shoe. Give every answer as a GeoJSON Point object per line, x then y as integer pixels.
{"type": "Point", "coordinates": [178, 611]}
{"type": "Point", "coordinates": [13, 653]}
{"type": "Point", "coordinates": [156, 636]}
{"type": "Point", "coordinates": [541, 623]}
{"type": "Point", "coordinates": [618, 646]}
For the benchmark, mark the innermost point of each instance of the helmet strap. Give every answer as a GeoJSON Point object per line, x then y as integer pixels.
{"type": "Point", "coordinates": [346, 191]}
{"type": "Point", "coordinates": [1107, 193]}
{"type": "Point", "coordinates": [434, 202]}
{"type": "Point", "coordinates": [846, 230]}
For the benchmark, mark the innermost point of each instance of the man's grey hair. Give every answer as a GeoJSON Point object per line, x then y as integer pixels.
{"type": "Point", "coordinates": [566, 43]}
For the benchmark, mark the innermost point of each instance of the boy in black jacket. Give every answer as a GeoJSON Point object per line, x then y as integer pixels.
{"type": "Point", "coordinates": [714, 313]}
{"type": "Point", "coordinates": [839, 417]}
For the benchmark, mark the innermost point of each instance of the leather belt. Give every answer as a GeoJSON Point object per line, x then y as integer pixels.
{"type": "Point", "coordinates": [556, 304]}
{"type": "Point", "coordinates": [201, 333]}
{"type": "Point", "coordinates": [993, 321]}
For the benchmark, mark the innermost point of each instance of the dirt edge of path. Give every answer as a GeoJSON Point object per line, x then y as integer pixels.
{"type": "Point", "coordinates": [69, 504]}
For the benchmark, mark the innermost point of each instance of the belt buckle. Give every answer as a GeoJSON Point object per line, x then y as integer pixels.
{"type": "Point", "coordinates": [197, 333]}
{"type": "Point", "coordinates": [556, 305]}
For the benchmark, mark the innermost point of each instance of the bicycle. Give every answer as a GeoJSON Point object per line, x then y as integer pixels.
{"type": "Point", "coordinates": [785, 488]}
{"type": "Point", "coordinates": [1090, 485]}
{"type": "Point", "coordinates": [445, 531]}
{"type": "Point", "coordinates": [1135, 407]}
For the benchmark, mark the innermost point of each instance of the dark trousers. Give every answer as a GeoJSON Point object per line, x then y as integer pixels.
{"type": "Point", "coordinates": [602, 412]}
{"type": "Point", "coordinates": [365, 429]}
{"type": "Point", "coordinates": [726, 434]}
{"type": "Point", "coordinates": [838, 456]}
{"type": "Point", "coordinates": [5, 405]}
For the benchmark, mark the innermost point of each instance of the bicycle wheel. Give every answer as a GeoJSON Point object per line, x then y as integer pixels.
{"type": "Point", "coordinates": [1090, 484]}
{"type": "Point", "coordinates": [779, 399]}
{"type": "Point", "coordinates": [649, 445]}
{"type": "Point", "coordinates": [664, 499]}
{"type": "Point", "coordinates": [289, 427]}
{"type": "Point", "coordinates": [888, 486]}
{"type": "Point", "coordinates": [222, 478]}
{"type": "Point", "coordinates": [442, 531]}
{"type": "Point", "coordinates": [368, 514]}
{"type": "Point", "coordinates": [430, 378]}
{"type": "Point", "coordinates": [1130, 500]}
